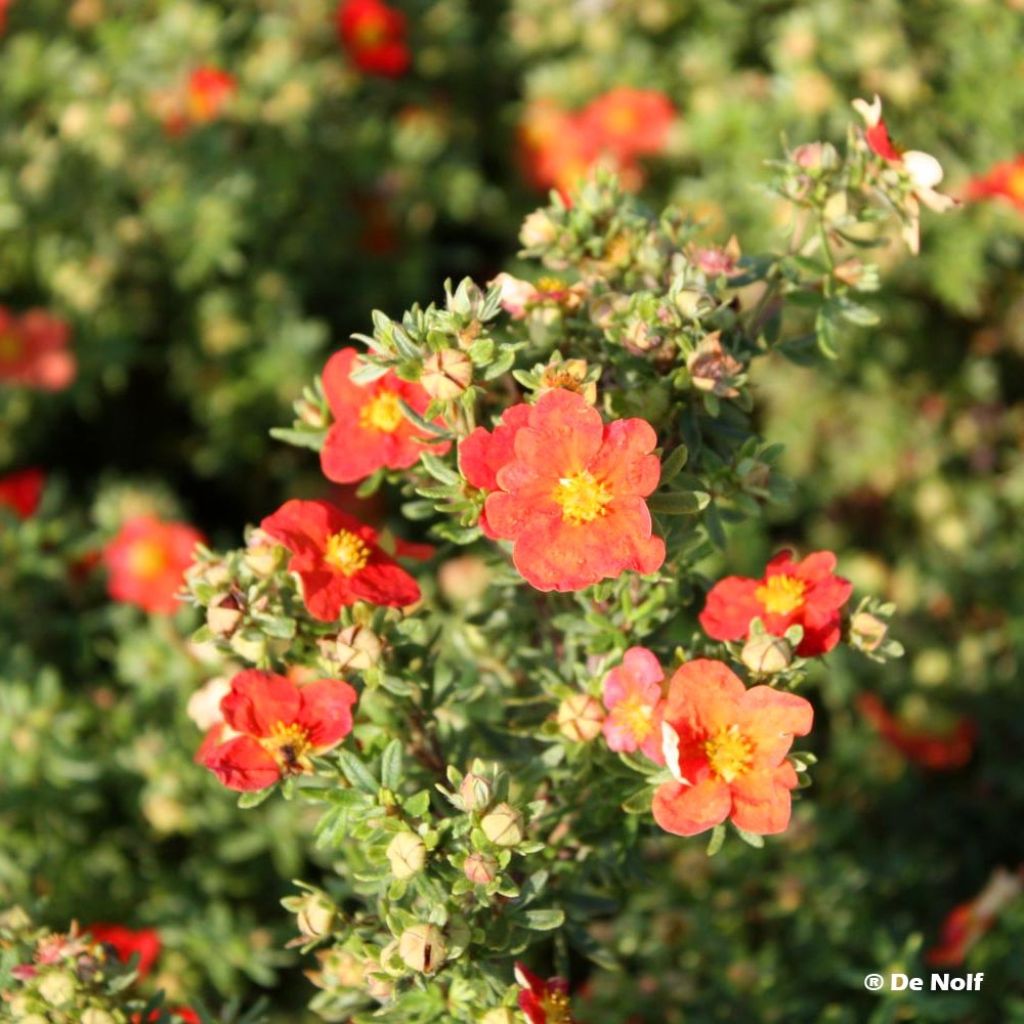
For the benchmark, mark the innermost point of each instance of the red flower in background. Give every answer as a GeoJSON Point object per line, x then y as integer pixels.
{"type": "Point", "coordinates": [940, 752]}
{"type": "Point", "coordinates": [555, 149]}
{"type": "Point", "coordinates": [370, 431]}
{"type": "Point", "coordinates": [726, 747]}
{"type": "Point", "coordinates": [571, 498]}
{"type": "Point", "coordinates": [1004, 181]}
{"type": "Point", "coordinates": [272, 727]}
{"type": "Point", "coordinates": [4, 4]}
{"type": "Point", "coordinates": [126, 943]}
{"type": "Point", "coordinates": [338, 559]}
{"type": "Point", "coordinates": [21, 491]}
{"type": "Point", "coordinates": [147, 562]}
{"type": "Point", "coordinates": [373, 34]}
{"type": "Point", "coordinates": [209, 90]}
{"type": "Point", "coordinates": [806, 593]}
{"type": "Point", "coordinates": [629, 122]}
{"type": "Point", "coordinates": [178, 1013]}
{"type": "Point", "coordinates": [484, 452]}
{"type": "Point", "coordinates": [968, 922]}
{"type": "Point", "coordinates": [543, 1002]}
{"type": "Point", "coordinates": [633, 697]}
{"type": "Point", "coordinates": [34, 350]}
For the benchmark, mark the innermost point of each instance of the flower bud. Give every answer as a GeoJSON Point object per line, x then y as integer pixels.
{"type": "Point", "coordinates": [446, 374]}
{"type": "Point", "coordinates": [94, 1016]}
{"type": "Point", "coordinates": [766, 654]}
{"type": "Point", "coordinates": [315, 916]}
{"type": "Point", "coordinates": [538, 230]}
{"type": "Point", "coordinates": [422, 948]}
{"type": "Point", "coordinates": [357, 648]}
{"type": "Point", "coordinates": [464, 578]}
{"type": "Point", "coordinates": [263, 555]}
{"type": "Point", "coordinates": [57, 988]}
{"type": "Point", "coordinates": [503, 826]}
{"type": "Point", "coordinates": [406, 854]}
{"type": "Point", "coordinates": [475, 792]}
{"type": "Point", "coordinates": [224, 617]}
{"type": "Point", "coordinates": [250, 646]}
{"type": "Point", "coordinates": [204, 705]}
{"type": "Point", "coordinates": [580, 718]}
{"type": "Point", "coordinates": [311, 413]}
{"type": "Point", "coordinates": [480, 869]}
{"type": "Point", "coordinates": [867, 631]}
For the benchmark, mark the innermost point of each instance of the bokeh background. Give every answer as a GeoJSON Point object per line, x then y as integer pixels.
{"type": "Point", "coordinates": [208, 198]}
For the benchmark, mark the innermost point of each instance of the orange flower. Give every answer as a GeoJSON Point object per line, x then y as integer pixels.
{"type": "Point", "coordinates": [633, 697]}
{"type": "Point", "coordinates": [629, 122]}
{"type": "Point", "coordinates": [940, 752]}
{"type": "Point", "coordinates": [272, 727]}
{"type": "Point", "coordinates": [370, 431]}
{"type": "Point", "coordinates": [209, 90]}
{"type": "Point", "coordinates": [147, 562]}
{"type": "Point", "coordinates": [968, 922]}
{"type": "Point", "coordinates": [127, 943]}
{"type": "Point", "coordinates": [726, 747]}
{"type": "Point", "coordinates": [806, 593]}
{"type": "Point", "coordinates": [20, 492]}
{"type": "Point", "coordinates": [374, 36]}
{"type": "Point", "coordinates": [34, 350]}
{"type": "Point", "coordinates": [556, 151]}
{"type": "Point", "coordinates": [1004, 180]}
{"type": "Point", "coordinates": [571, 496]}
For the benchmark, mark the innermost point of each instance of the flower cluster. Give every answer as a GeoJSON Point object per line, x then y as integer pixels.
{"type": "Point", "coordinates": [373, 34]}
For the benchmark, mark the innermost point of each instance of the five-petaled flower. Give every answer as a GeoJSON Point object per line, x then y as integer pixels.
{"type": "Point", "coordinates": [147, 560]}
{"type": "Point", "coordinates": [272, 727]}
{"type": "Point", "coordinates": [373, 34]}
{"type": "Point", "coordinates": [726, 748]}
{"type": "Point", "coordinates": [370, 431]}
{"type": "Point", "coordinates": [543, 1002]}
{"type": "Point", "coordinates": [633, 697]}
{"type": "Point", "coordinates": [34, 350]}
{"type": "Point", "coordinates": [20, 491]}
{"type": "Point", "coordinates": [338, 559]}
{"type": "Point", "coordinates": [922, 169]}
{"type": "Point", "coordinates": [805, 593]}
{"type": "Point", "coordinates": [571, 495]}
{"type": "Point", "coordinates": [630, 122]}
{"type": "Point", "coordinates": [127, 943]}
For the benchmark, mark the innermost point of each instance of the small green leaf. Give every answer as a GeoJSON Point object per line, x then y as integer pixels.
{"type": "Point", "coordinates": [639, 802]}
{"type": "Point", "coordinates": [254, 799]}
{"type": "Point", "coordinates": [674, 463]}
{"type": "Point", "coordinates": [356, 772]}
{"type": "Point", "coordinates": [716, 840]}
{"type": "Point", "coordinates": [391, 765]}
{"type": "Point", "coordinates": [750, 838]}
{"type": "Point", "coordinates": [544, 920]}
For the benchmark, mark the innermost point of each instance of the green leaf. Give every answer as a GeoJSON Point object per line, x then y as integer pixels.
{"type": "Point", "coordinates": [544, 920]}
{"type": "Point", "coordinates": [716, 840]}
{"type": "Point", "coordinates": [439, 469]}
{"type": "Point", "coordinates": [674, 463]}
{"type": "Point", "coordinates": [750, 838]}
{"type": "Point", "coordinates": [639, 802]}
{"type": "Point", "coordinates": [391, 765]}
{"type": "Point", "coordinates": [313, 439]}
{"type": "Point", "coordinates": [356, 772]}
{"type": "Point", "coordinates": [679, 503]}
{"type": "Point", "coordinates": [254, 799]}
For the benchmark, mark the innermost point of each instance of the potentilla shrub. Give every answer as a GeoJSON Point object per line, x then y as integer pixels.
{"type": "Point", "coordinates": [499, 729]}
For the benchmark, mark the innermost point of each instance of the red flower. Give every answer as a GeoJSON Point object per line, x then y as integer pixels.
{"type": "Point", "coordinates": [209, 90]}
{"type": "Point", "coordinates": [178, 1013]}
{"type": "Point", "coordinates": [629, 122]}
{"type": "Point", "coordinates": [374, 36]}
{"type": "Point", "coordinates": [4, 4]}
{"type": "Point", "coordinates": [338, 559]}
{"type": "Point", "coordinates": [571, 499]}
{"type": "Point", "coordinates": [1005, 180]}
{"type": "Point", "coordinates": [726, 747]}
{"type": "Point", "coordinates": [484, 452]}
{"type": "Point", "coordinates": [968, 922]}
{"type": "Point", "coordinates": [543, 1002]}
{"type": "Point", "coordinates": [126, 943]}
{"type": "Point", "coordinates": [21, 491]}
{"type": "Point", "coordinates": [147, 562]}
{"type": "Point", "coordinates": [806, 593]}
{"type": "Point", "coordinates": [556, 151]}
{"type": "Point", "coordinates": [936, 751]}
{"type": "Point", "coordinates": [633, 697]}
{"type": "Point", "coordinates": [34, 350]}
{"type": "Point", "coordinates": [272, 727]}
{"type": "Point", "coordinates": [369, 430]}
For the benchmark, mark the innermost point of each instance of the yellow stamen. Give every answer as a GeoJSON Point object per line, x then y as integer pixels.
{"type": "Point", "coordinates": [1015, 184]}
{"type": "Point", "coordinates": [556, 1008]}
{"type": "Point", "coordinates": [781, 594]}
{"type": "Point", "coordinates": [147, 559]}
{"type": "Point", "coordinates": [289, 746]}
{"type": "Point", "coordinates": [346, 552]}
{"type": "Point", "coordinates": [383, 413]}
{"type": "Point", "coordinates": [636, 716]}
{"type": "Point", "coordinates": [582, 498]}
{"type": "Point", "coordinates": [729, 753]}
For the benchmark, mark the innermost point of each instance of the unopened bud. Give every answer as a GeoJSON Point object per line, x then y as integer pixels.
{"type": "Point", "coordinates": [311, 413]}
{"type": "Point", "coordinates": [57, 988]}
{"type": "Point", "coordinates": [446, 374]}
{"type": "Point", "coordinates": [315, 916]}
{"type": "Point", "coordinates": [422, 948]}
{"type": "Point", "coordinates": [475, 792]}
{"type": "Point", "coordinates": [480, 869]}
{"type": "Point", "coordinates": [580, 718]}
{"type": "Point", "coordinates": [766, 654]}
{"type": "Point", "coordinates": [263, 555]}
{"type": "Point", "coordinates": [503, 826]}
{"type": "Point", "coordinates": [407, 854]}
{"type": "Point", "coordinates": [867, 631]}
{"type": "Point", "coordinates": [357, 648]}
{"type": "Point", "coordinates": [224, 616]}
{"type": "Point", "coordinates": [538, 230]}
{"type": "Point", "coordinates": [250, 646]}
{"type": "Point", "coordinates": [464, 578]}
{"type": "Point", "coordinates": [94, 1016]}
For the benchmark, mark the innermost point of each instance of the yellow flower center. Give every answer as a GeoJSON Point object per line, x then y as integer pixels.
{"type": "Point", "coordinates": [289, 746]}
{"type": "Point", "coordinates": [147, 559]}
{"type": "Point", "coordinates": [371, 30]}
{"type": "Point", "coordinates": [1015, 184]}
{"type": "Point", "coordinates": [622, 119]}
{"type": "Point", "coordinates": [383, 413]}
{"type": "Point", "coordinates": [781, 594]}
{"type": "Point", "coordinates": [556, 1008]}
{"type": "Point", "coordinates": [582, 498]}
{"type": "Point", "coordinates": [346, 552]}
{"type": "Point", "coordinates": [729, 753]}
{"type": "Point", "coordinates": [636, 716]}
{"type": "Point", "coordinates": [11, 347]}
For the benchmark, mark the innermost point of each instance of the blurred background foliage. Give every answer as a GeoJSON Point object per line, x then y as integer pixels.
{"type": "Point", "coordinates": [206, 270]}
